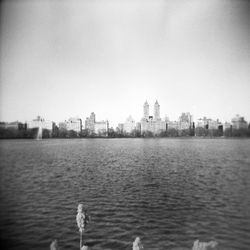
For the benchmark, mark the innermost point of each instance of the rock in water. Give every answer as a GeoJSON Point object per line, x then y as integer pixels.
{"type": "Point", "coordinates": [137, 245]}
{"type": "Point", "coordinates": [204, 245]}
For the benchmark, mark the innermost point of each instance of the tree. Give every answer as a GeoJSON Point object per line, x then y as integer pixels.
{"type": "Point", "coordinates": [148, 134]}
{"type": "Point", "coordinates": [72, 134]}
{"type": "Point", "coordinates": [200, 131]}
{"type": "Point", "coordinates": [46, 133]}
{"type": "Point", "coordinates": [228, 132]}
{"type": "Point", "coordinates": [111, 133]}
{"type": "Point", "coordinates": [55, 132]}
{"type": "Point", "coordinates": [62, 133]}
{"type": "Point", "coordinates": [84, 133]}
{"type": "Point", "coordinates": [172, 132]}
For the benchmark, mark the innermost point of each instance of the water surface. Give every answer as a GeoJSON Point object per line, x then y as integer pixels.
{"type": "Point", "coordinates": [169, 192]}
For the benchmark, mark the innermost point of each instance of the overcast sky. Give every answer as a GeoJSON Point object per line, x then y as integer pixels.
{"type": "Point", "coordinates": [68, 58]}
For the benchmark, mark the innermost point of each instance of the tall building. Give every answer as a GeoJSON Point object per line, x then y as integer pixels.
{"type": "Point", "coordinates": [152, 124]}
{"type": "Point", "coordinates": [120, 127]}
{"type": "Point", "coordinates": [157, 111]}
{"type": "Point", "coordinates": [129, 125]}
{"type": "Point", "coordinates": [185, 121]}
{"type": "Point", "coordinates": [90, 123]}
{"type": "Point", "coordinates": [96, 127]}
{"type": "Point", "coordinates": [145, 110]}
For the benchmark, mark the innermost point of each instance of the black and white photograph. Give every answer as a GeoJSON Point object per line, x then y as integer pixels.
{"type": "Point", "coordinates": [125, 124]}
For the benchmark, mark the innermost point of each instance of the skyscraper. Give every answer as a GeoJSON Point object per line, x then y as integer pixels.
{"type": "Point", "coordinates": [156, 111]}
{"type": "Point", "coordinates": [94, 127]}
{"type": "Point", "coordinates": [145, 110]}
{"type": "Point", "coordinates": [129, 125]}
{"type": "Point", "coordinates": [90, 123]}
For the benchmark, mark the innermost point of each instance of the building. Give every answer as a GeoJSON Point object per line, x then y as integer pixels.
{"type": "Point", "coordinates": [74, 124]}
{"type": "Point", "coordinates": [96, 127]}
{"type": "Point", "coordinates": [120, 127]}
{"type": "Point", "coordinates": [152, 124]}
{"type": "Point", "coordinates": [202, 123]}
{"type": "Point", "coordinates": [101, 128]}
{"type": "Point", "coordinates": [173, 125]}
{"type": "Point", "coordinates": [185, 121]}
{"type": "Point", "coordinates": [238, 122]}
{"type": "Point", "coordinates": [146, 110]}
{"type": "Point", "coordinates": [40, 122]}
{"type": "Point", "coordinates": [157, 111]}
{"type": "Point", "coordinates": [62, 125]}
{"type": "Point", "coordinates": [129, 125]}
{"type": "Point", "coordinates": [208, 123]}
{"type": "Point", "coordinates": [90, 123]}
{"type": "Point", "coordinates": [13, 125]}
{"type": "Point", "coordinates": [138, 127]}
{"type": "Point", "coordinates": [214, 124]}
{"type": "Point", "coordinates": [227, 125]}
{"type": "Point", "coordinates": [3, 125]}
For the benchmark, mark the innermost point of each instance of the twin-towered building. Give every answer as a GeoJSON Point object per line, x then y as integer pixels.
{"type": "Point", "coordinates": [152, 123]}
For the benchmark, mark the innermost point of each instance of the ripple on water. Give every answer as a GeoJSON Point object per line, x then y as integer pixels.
{"type": "Point", "coordinates": [168, 192]}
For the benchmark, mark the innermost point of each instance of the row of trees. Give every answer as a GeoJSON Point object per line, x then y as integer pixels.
{"type": "Point", "coordinates": [8, 133]}
{"type": "Point", "coordinates": [13, 133]}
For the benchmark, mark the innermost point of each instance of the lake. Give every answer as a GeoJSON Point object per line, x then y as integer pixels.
{"type": "Point", "coordinates": [169, 192]}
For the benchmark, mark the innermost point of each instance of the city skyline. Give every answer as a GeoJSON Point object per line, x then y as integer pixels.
{"type": "Point", "coordinates": [149, 113]}
{"type": "Point", "coordinates": [60, 60]}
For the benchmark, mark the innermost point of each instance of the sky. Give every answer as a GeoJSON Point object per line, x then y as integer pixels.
{"type": "Point", "coordinates": [62, 59]}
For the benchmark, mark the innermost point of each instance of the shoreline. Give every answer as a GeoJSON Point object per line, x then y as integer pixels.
{"type": "Point", "coordinates": [143, 138]}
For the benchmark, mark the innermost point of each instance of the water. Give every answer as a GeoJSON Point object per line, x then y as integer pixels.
{"type": "Point", "coordinates": [169, 192]}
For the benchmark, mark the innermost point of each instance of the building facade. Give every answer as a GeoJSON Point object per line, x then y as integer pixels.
{"type": "Point", "coordinates": [238, 122]}
{"type": "Point", "coordinates": [208, 123]}
{"type": "Point", "coordinates": [101, 128]}
{"type": "Point", "coordinates": [13, 125]}
{"type": "Point", "coordinates": [40, 123]}
{"type": "Point", "coordinates": [74, 124]}
{"type": "Point", "coordinates": [129, 125]}
{"type": "Point", "coordinates": [152, 124]}
{"type": "Point", "coordinates": [94, 127]}
{"type": "Point", "coordinates": [90, 123]}
{"type": "Point", "coordinates": [185, 121]}
{"type": "Point", "coordinates": [173, 125]}
{"type": "Point", "coordinates": [202, 123]}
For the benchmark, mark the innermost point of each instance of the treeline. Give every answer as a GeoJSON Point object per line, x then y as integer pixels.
{"type": "Point", "coordinates": [24, 133]}
{"type": "Point", "coordinates": [14, 133]}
